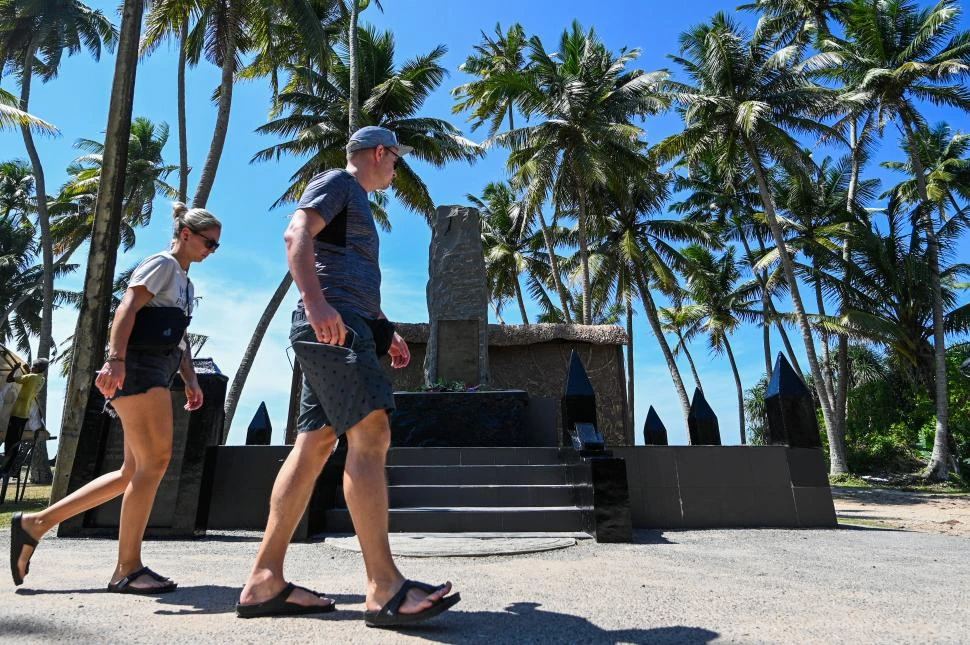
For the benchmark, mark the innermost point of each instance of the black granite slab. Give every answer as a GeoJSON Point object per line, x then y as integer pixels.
{"type": "Point", "coordinates": [443, 419]}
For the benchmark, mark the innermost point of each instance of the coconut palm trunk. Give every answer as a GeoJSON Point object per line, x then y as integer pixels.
{"type": "Point", "coordinates": [183, 128]}
{"type": "Point", "coordinates": [827, 375]}
{"type": "Point", "coordinates": [208, 177]}
{"type": "Point", "coordinates": [737, 383]}
{"type": "Point", "coordinates": [239, 380]}
{"type": "Point", "coordinates": [43, 219]}
{"type": "Point", "coordinates": [842, 354]}
{"type": "Point", "coordinates": [584, 258]}
{"type": "Point", "coordinates": [650, 308]}
{"type": "Point", "coordinates": [690, 361]}
{"type": "Point", "coordinates": [629, 360]}
{"type": "Point", "coordinates": [770, 311]}
{"type": "Point", "coordinates": [352, 46]}
{"type": "Point", "coordinates": [940, 461]}
{"type": "Point", "coordinates": [554, 266]}
{"type": "Point", "coordinates": [91, 333]}
{"type": "Point", "coordinates": [838, 461]}
{"type": "Point", "coordinates": [521, 301]}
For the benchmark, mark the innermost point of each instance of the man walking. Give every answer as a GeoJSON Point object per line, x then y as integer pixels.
{"type": "Point", "coordinates": [30, 385]}
{"type": "Point", "coordinates": [332, 252]}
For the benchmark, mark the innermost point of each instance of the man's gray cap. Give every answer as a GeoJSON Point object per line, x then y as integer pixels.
{"type": "Point", "coordinates": [372, 136]}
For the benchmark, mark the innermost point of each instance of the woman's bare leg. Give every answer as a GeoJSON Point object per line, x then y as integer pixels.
{"type": "Point", "coordinates": [94, 493]}
{"type": "Point", "coordinates": [147, 422]}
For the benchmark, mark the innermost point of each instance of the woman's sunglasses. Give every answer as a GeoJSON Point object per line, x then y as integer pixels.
{"type": "Point", "coordinates": [210, 243]}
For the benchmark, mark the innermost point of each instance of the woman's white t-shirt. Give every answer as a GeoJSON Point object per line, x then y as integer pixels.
{"type": "Point", "coordinates": [165, 278]}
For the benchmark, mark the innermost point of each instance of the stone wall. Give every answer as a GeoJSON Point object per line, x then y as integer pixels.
{"type": "Point", "coordinates": [535, 358]}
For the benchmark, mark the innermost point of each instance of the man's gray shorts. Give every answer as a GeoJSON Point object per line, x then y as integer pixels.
{"type": "Point", "coordinates": [350, 391]}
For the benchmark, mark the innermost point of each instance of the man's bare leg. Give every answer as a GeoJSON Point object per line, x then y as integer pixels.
{"type": "Point", "coordinates": [365, 489]}
{"type": "Point", "coordinates": [291, 494]}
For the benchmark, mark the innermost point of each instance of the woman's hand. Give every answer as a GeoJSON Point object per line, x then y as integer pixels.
{"type": "Point", "coordinates": [193, 395]}
{"type": "Point", "coordinates": [111, 378]}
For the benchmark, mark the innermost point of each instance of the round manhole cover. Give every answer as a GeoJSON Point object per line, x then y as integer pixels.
{"type": "Point", "coordinates": [428, 546]}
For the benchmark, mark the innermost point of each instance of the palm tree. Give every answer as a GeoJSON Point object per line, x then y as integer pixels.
{"type": "Point", "coordinates": [34, 35]}
{"type": "Point", "coordinates": [506, 250]}
{"type": "Point", "coordinates": [722, 190]}
{"type": "Point", "coordinates": [317, 109]}
{"type": "Point", "coordinates": [891, 303]}
{"type": "Point", "coordinates": [748, 97]}
{"type": "Point", "coordinates": [16, 191]}
{"type": "Point", "coordinates": [72, 211]}
{"type": "Point", "coordinates": [502, 70]}
{"type": "Point", "coordinates": [683, 321]}
{"type": "Point", "coordinates": [145, 172]}
{"type": "Point", "coordinates": [721, 304]}
{"type": "Point", "coordinates": [586, 100]}
{"type": "Point", "coordinates": [796, 21]}
{"type": "Point", "coordinates": [901, 54]}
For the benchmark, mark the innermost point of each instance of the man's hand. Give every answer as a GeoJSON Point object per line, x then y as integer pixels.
{"type": "Point", "coordinates": [326, 323]}
{"type": "Point", "coordinates": [193, 395]}
{"type": "Point", "coordinates": [399, 352]}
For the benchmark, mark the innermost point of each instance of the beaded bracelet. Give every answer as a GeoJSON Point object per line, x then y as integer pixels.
{"type": "Point", "coordinates": [114, 358]}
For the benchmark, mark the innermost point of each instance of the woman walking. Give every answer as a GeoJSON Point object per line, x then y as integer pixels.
{"type": "Point", "coordinates": [146, 349]}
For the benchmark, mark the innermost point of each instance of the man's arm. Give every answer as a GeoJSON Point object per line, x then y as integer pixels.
{"type": "Point", "coordinates": [306, 224]}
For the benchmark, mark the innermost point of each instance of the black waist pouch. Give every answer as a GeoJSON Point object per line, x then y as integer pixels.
{"type": "Point", "coordinates": [158, 328]}
{"type": "Point", "coordinates": [383, 331]}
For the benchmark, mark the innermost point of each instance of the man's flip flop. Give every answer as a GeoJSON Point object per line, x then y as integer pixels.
{"type": "Point", "coordinates": [124, 585]}
{"type": "Point", "coordinates": [278, 605]}
{"type": "Point", "coordinates": [388, 615]}
{"type": "Point", "coordinates": [19, 538]}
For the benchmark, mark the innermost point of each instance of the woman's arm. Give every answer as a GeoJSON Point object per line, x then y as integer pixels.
{"type": "Point", "coordinates": [193, 392]}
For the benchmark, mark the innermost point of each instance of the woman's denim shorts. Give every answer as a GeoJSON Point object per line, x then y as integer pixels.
{"type": "Point", "coordinates": [145, 370]}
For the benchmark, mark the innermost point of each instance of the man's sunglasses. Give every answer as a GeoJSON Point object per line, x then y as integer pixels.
{"type": "Point", "coordinates": [397, 157]}
{"type": "Point", "coordinates": [210, 243]}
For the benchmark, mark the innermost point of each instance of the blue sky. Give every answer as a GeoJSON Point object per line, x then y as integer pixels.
{"type": "Point", "coordinates": [237, 281]}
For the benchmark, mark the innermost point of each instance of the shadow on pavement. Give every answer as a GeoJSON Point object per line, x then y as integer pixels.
{"type": "Point", "coordinates": [644, 536]}
{"type": "Point", "coordinates": [524, 622]}
{"type": "Point", "coordinates": [217, 599]}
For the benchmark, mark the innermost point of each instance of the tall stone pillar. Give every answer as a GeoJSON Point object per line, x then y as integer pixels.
{"type": "Point", "coordinates": [457, 299]}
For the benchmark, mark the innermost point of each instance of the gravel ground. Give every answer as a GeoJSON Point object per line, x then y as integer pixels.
{"type": "Point", "coordinates": [854, 585]}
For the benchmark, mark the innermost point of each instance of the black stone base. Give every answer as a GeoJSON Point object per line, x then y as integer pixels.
{"type": "Point", "coordinates": [459, 419]}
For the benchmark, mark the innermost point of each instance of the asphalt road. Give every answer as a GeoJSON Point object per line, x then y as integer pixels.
{"type": "Point", "coordinates": [854, 585]}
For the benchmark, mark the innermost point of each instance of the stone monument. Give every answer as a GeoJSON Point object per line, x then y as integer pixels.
{"type": "Point", "coordinates": [457, 300]}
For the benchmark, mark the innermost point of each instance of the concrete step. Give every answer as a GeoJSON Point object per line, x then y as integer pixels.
{"type": "Point", "coordinates": [479, 456]}
{"type": "Point", "coordinates": [476, 519]}
{"type": "Point", "coordinates": [496, 475]}
{"type": "Point", "coordinates": [477, 496]}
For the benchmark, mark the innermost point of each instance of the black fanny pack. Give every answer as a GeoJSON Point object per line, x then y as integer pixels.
{"type": "Point", "coordinates": [158, 328]}
{"type": "Point", "coordinates": [383, 331]}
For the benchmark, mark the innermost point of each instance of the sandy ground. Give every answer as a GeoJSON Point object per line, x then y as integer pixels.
{"type": "Point", "coordinates": [910, 511]}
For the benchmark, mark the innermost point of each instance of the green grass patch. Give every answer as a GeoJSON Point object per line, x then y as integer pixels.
{"type": "Point", "coordinates": [34, 499]}
{"type": "Point", "coordinates": [848, 480]}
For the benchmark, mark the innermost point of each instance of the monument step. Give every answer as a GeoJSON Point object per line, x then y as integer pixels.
{"type": "Point", "coordinates": [485, 496]}
{"type": "Point", "coordinates": [497, 475]}
{"type": "Point", "coordinates": [507, 456]}
{"type": "Point", "coordinates": [476, 519]}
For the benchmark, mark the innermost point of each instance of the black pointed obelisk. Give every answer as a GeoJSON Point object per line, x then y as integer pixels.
{"type": "Point", "coordinates": [654, 431]}
{"type": "Point", "coordinates": [702, 422]}
{"type": "Point", "coordinates": [260, 430]}
{"type": "Point", "coordinates": [578, 400]}
{"type": "Point", "coordinates": [790, 408]}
